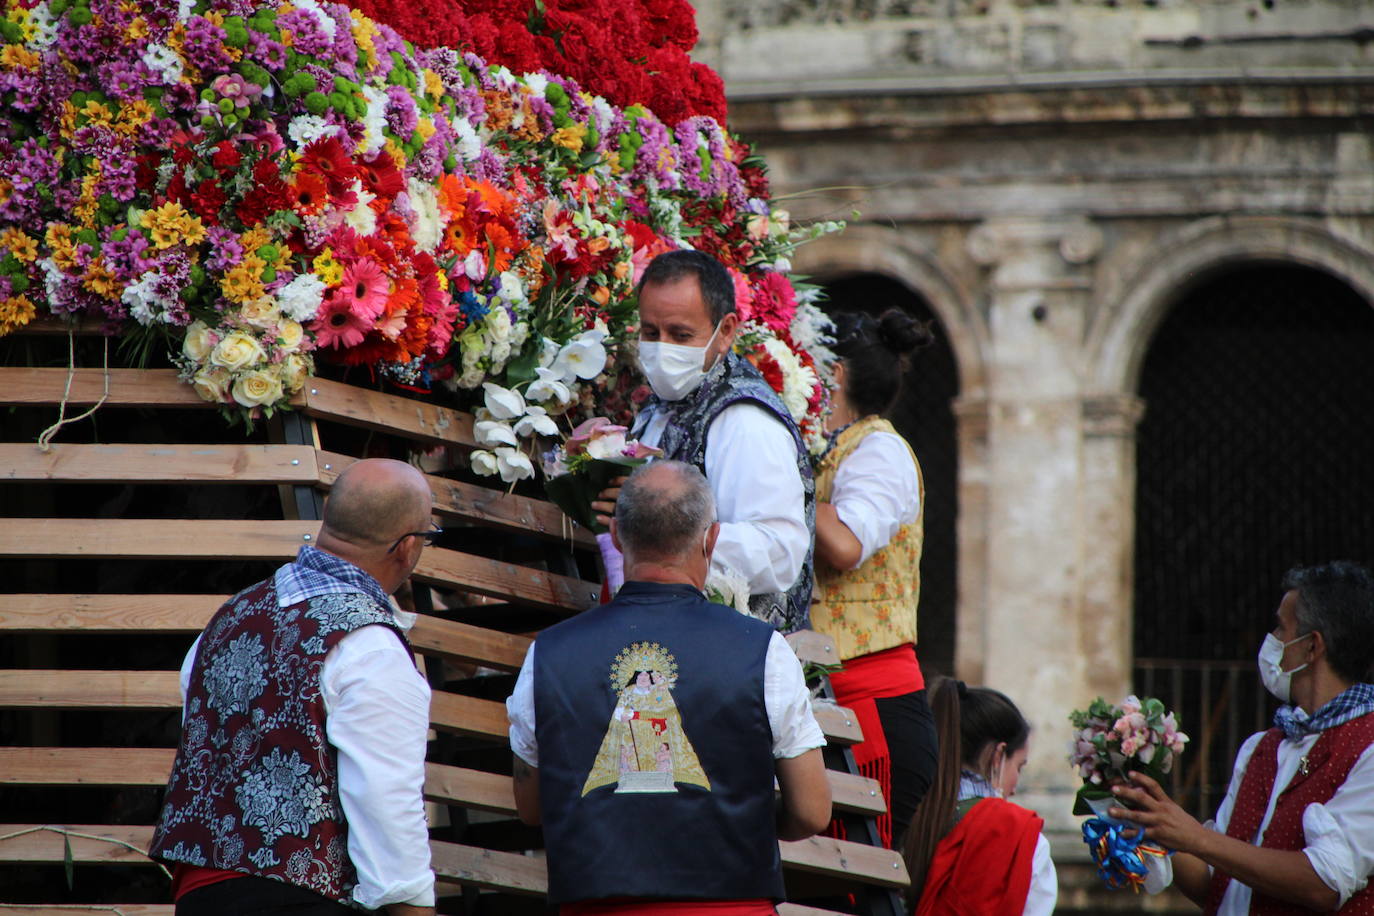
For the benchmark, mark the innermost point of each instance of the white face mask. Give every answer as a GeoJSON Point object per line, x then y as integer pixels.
{"type": "Point", "coordinates": [1276, 680]}
{"type": "Point", "coordinates": [673, 370]}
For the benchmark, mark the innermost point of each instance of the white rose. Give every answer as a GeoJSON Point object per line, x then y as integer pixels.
{"type": "Point", "coordinates": [295, 370]}
{"type": "Point", "coordinates": [261, 312]}
{"type": "Point", "coordinates": [504, 403]}
{"type": "Point", "coordinates": [236, 350]}
{"type": "Point", "coordinates": [212, 384]}
{"type": "Point", "coordinates": [535, 422]}
{"type": "Point", "coordinates": [475, 265]}
{"type": "Point", "coordinates": [257, 388]}
{"type": "Point", "coordinates": [511, 289]}
{"type": "Point", "coordinates": [492, 433]}
{"type": "Point", "coordinates": [200, 340]}
{"type": "Point", "coordinates": [483, 463]}
{"type": "Point", "coordinates": [513, 465]}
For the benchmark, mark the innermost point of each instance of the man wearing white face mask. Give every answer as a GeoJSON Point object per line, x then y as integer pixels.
{"type": "Point", "coordinates": [1295, 833]}
{"type": "Point", "coordinates": [712, 409]}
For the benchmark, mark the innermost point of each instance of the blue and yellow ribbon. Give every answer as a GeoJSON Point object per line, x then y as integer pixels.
{"type": "Point", "coordinates": [1120, 859]}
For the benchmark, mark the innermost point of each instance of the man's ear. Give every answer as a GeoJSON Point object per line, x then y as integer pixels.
{"type": "Point", "coordinates": [1317, 646]}
{"type": "Point", "coordinates": [728, 325]}
{"type": "Point", "coordinates": [712, 534]}
{"type": "Point", "coordinates": [615, 537]}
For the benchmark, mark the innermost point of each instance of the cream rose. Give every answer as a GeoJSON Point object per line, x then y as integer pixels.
{"type": "Point", "coordinates": [200, 340]}
{"type": "Point", "coordinates": [295, 370]}
{"type": "Point", "coordinates": [261, 312]}
{"type": "Point", "coordinates": [212, 384]}
{"type": "Point", "coordinates": [289, 335]}
{"type": "Point", "coordinates": [258, 388]}
{"type": "Point", "coordinates": [237, 350]}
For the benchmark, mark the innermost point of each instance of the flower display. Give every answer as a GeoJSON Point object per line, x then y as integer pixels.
{"type": "Point", "coordinates": [269, 189]}
{"type": "Point", "coordinates": [1110, 741]}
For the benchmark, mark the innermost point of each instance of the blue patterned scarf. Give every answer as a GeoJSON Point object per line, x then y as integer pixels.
{"type": "Point", "coordinates": [1350, 703]}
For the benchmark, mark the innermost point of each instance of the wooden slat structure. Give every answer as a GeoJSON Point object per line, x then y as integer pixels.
{"type": "Point", "coordinates": [513, 571]}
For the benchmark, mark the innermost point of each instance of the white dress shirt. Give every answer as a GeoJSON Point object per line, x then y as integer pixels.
{"type": "Point", "coordinates": [876, 491]}
{"type": "Point", "coordinates": [377, 715]}
{"type": "Point", "coordinates": [785, 698]}
{"type": "Point", "coordinates": [751, 464]}
{"type": "Point", "coordinates": [1339, 833]}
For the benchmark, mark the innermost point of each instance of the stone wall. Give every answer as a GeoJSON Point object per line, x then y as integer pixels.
{"type": "Point", "coordinates": [1050, 175]}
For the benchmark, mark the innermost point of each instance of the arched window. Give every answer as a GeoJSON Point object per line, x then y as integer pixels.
{"type": "Point", "coordinates": [1255, 454]}
{"type": "Point", "coordinates": [924, 417]}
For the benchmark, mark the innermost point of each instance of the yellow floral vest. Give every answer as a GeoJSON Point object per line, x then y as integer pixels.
{"type": "Point", "coordinates": [873, 607]}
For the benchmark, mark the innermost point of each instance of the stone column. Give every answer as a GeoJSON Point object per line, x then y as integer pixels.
{"type": "Point", "coordinates": [1051, 552]}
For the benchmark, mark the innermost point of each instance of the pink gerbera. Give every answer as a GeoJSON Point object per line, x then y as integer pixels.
{"type": "Point", "coordinates": [365, 287]}
{"type": "Point", "coordinates": [338, 325]}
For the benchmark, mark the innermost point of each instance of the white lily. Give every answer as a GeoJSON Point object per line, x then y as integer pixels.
{"type": "Point", "coordinates": [548, 387]}
{"type": "Point", "coordinates": [493, 432]}
{"type": "Point", "coordinates": [536, 421]}
{"type": "Point", "coordinates": [484, 463]}
{"type": "Point", "coordinates": [513, 464]}
{"type": "Point", "coordinates": [504, 403]}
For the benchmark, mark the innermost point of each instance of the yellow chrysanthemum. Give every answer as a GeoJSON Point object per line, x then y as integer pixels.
{"type": "Point", "coordinates": [393, 149]}
{"type": "Point", "coordinates": [100, 280]}
{"type": "Point", "coordinates": [97, 114]}
{"type": "Point", "coordinates": [20, 244]}
{"type": "Point", "coordinates": [6, 189]}
{"type": "Point", "coordinates": [425, 128]}
{"type": "Point", "coordinates": [254, 238]}
{"type": "Point", "coordinates": [18, 15]}
{"type": "Point", "coordinates": [137, 28]}
{"type": "Point", "coordinates": [66, 122]}
{"type": "Point", "coordinates": [133, 116]}
{"type": "Point", "coordinates": [15, 312]}
{"type": "Point", "coordinates": [18, 57]}
{"type": "Point", "coordinates": [61, 246]}
{"type": "Point", "coordinates": [570, 137]}
{"type": "Point", "coordinates": [328, 269]}
{"type": "Point", "coordinates": [243, 283]}
{"type": "Point", "coordinates": [434, 85]}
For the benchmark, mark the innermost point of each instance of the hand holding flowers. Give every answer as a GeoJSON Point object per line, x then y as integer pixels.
{"type": "Point", "coordinates": [1111, 740]}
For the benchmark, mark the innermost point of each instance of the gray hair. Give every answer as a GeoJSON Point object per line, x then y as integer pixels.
{"type": "Point", "coordinates": [1337, 599]}
{"type": "Point", "coordinates": [663, 509]}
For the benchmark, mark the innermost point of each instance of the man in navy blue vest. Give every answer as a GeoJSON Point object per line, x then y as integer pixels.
{"type": "Point", "coordinates": [647, 732]}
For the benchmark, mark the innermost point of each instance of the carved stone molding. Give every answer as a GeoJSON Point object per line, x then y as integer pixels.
{"type": "Point", "coordinates": [1114, 415]}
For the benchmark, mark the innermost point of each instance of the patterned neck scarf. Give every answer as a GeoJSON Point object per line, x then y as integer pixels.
{"type": "Point", "coordinates": [972, 785]}
{"type": "Point", "coordinates": [1350, 703]}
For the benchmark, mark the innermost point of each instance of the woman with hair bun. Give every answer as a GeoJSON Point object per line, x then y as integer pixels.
{"type": "Point", "coordinates": [868, 557]}
{"type": "Point", "coordinates": [968, 849]}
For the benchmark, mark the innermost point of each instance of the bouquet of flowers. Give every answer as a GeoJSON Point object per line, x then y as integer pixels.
{"type": "Point", "coordinates": [576, 472]}
{"type": "Point", "coordinates": [1110, 742]}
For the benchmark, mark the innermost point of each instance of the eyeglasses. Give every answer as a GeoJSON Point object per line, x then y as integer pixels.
{"type": "Point", "coordinates": [430, 537]}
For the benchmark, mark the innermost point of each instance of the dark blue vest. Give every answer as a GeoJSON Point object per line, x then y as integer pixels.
{"type": "Point", "coordinates": [655, 753]}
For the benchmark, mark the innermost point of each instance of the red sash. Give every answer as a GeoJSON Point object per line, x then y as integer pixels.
{"type": "Point", "coordinates": [983, 866]}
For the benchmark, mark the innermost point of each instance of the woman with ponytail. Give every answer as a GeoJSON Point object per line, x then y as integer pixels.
{"type": "Point", "coordinates": [968, 849]}
{"type": "Point", "coordinates": [868, 560]}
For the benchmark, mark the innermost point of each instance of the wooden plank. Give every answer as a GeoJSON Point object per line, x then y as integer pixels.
{"type": "Point", "coordinates": [239, 464]}
{"type": "Point", "coordinates": [843, 858]}
{"type": "Point", "coordinates": [811, 646]}
{"type": "Point", "coordinates": [796, 909]}
{"type": "Point", "coordinates": [487, 505]}
{"type": "Point", "coordinates": [388, 413]}
{"type": "Point", "coordinates": [128, 387]}
{"type": "Point", "coordinates": [48, 325]}
{"type": "Point", "coordinates": [431, 635]}
{"type": "Point", "coordinates": [488, 868]}
{"type": "Point", "coordinates": [452, 712]}
{"type": "Point", "coordinates": [839, 724]}
{"type": "Point", "coordinates": [27, 688]}
{"type": "Point", "coordinates": [33, 843]}
{"type": "Point", "coordinates": [277, 540]}
{"type": "Point", "coordinates": [75, 909]}
{"type": "Point", "coordinates": [854, 793]}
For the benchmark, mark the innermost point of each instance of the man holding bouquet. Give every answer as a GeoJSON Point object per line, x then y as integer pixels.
{"type": "Point", "coordinates": [712, 409]}
{"type": "Point", "coordinates": [1295, 832]}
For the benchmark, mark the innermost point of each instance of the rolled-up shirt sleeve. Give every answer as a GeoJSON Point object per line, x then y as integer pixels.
{"type": "Point", "coordinates": [788, 702]}
{"type": "Point", "coordinates": [876, 491]}
{"type": "Point", "coordinates": [520, 713]}
{"type": "Point", "coordinates": [1340, 833]}
{"type": "Point", "coordinates": [751, 463]}
{"type": "Point", "coordinates": [377, 716]}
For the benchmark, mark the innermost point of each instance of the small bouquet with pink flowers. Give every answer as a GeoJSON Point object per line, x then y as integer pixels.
{"type": "Point", "coordinates": [1111, 741]}
{"type": "Point", "coordinates": [576, 472]}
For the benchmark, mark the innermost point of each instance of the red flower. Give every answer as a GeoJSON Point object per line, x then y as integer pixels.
{"type": "Point", "coordinates": [226, 157]}
{"type": "Point", "coordinates": [326, 158]}
{"type": "Point", "coordinates": [309, 193]}
{"type": "Point", "coordinates": [381, 177]}
{"type": "Point", "coordinates": [208, 200]}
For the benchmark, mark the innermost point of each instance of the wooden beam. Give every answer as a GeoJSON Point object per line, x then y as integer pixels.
{"type": "Point", "coordinates": [452, 712]}
{"type": "Point", "coordinates": [463, 642]}
{"type": "Point", "coordinates": [487, 505]}
{"type": "Point", "coordinates": [277, 540]}
{"type": "Point", "coordinates": [238, 464]}
{"type": "Point", "coordinates": [843, 858]}
{"type": "Point", "coordinates": [488, 868]}
{"type": "Point", "coordinates": [128, 387]}
{"type": "Point", "coordinates": [28, 688]}
{"type": "Point", "coordinates": [37, 844]}
{"type": "Point", "coordinates": [839, 724]}
{"type": "Point", "coordinates": [388, 413]}
{"type": "Point", "coordinates": [812, 646]}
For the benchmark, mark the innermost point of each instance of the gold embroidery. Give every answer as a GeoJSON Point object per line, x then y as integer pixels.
{"type": "Point", "coordinates": [645, 748]}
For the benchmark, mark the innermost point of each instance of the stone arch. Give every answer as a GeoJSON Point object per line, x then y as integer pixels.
{"type": "Point", "coordinates": [881, 250]}
{"type": "Point", "coordinates": [1118, 344]}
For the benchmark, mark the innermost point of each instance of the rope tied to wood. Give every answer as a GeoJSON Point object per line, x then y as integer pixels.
{"type": "Point", "coordinates": [64, 832]}
{"type": "Point", "coordinates": [46, 436]}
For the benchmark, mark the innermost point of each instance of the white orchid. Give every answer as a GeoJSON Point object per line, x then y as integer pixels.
{"type": "Point", "coordinates": [503, 403]}
{"type": "Point", "coordinates": [491, 433]}
{"type": "Point", "coordinates": [536, 421]}
{"type": "Point", "coordinates": [484, 463]}
{"type": "Point", "coordinates": [582, 357]}
{"type": "Point", "coordinates": [513, 465]}
{"type": "Point", "coordinates": [548, 387]}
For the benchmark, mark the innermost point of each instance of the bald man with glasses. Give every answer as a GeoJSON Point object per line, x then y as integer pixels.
{"type": "Point", "coordinates": [297, 785]}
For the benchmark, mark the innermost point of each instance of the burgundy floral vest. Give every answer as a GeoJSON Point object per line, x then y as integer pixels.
{"type": "Point", "coordinates": [1328, 763]}
{"type": "Point", "coordinates": [254, 788]}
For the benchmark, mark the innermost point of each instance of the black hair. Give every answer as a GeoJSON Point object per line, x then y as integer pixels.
{"type": "Point", "coordinates": [876, 353]}
{"type": "Point", "coordinates": [968, 720]}
{"type": "Point", "coordinates": [717, 289]}
{"type": "Point", "coordinates": [1337, 599]}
